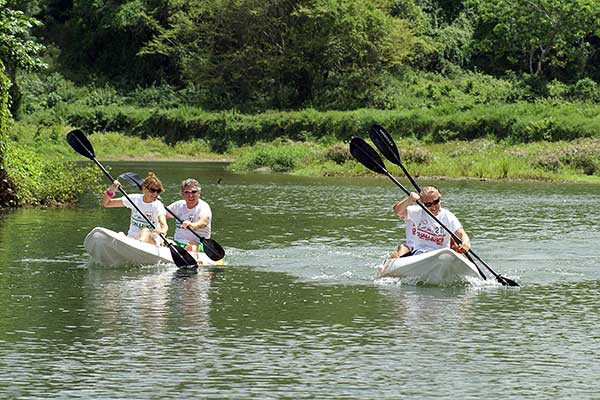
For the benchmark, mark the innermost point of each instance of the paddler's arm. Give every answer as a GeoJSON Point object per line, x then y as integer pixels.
{"type": "Point", "coordinates": [162, 225]}
{"type": "Point", "coordinates": [401, 206]}
{"type": "Point", "coordinates": [201, 223]}
{"type": "Point", "coordinates": [108, 201]}
{"type": "Point", "coordinates": [464, 238]}
{"type": "Point", "coordinates": [168, 215]}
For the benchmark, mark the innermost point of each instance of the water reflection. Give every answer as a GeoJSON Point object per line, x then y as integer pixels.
{"type": "Point", "coordinates": [150, 300]}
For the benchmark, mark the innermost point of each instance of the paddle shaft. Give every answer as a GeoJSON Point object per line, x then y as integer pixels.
{"type": "Point", "coordinates": [82, 145]}
{"type": "Point", "coordinates": [418, 189]}
{"type": "Point", "coordinates": [202, 239]}
{"type": "Point", "coordinates": [368, 157]}
{"type": "Point", "coordinates": [410, 178]}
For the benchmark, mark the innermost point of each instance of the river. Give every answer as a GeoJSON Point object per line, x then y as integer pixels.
{"type": "Point", "coordinates": [297, 313]}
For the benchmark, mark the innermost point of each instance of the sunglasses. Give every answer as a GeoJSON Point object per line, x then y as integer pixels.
{"type": "Point", "coordinates": [191, 191]}
{"type": "Point", "coordinates": [432, 203]}
{"type": "Point", "coordinates": [154, 190]}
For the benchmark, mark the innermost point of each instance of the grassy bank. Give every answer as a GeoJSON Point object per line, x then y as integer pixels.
{"type": "Point", "coordinates": [576, 160]}
{"type": "Point", "coordinates": [485, 158]}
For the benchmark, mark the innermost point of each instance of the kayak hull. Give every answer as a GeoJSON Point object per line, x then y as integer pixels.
{"type": "Point", "coordinates": [438, 267]}
{"type": "Point", "coordinates": [109, 248]}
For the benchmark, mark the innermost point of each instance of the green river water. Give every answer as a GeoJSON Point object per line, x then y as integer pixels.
{"type": "Point", "coordinates": [298, 313]}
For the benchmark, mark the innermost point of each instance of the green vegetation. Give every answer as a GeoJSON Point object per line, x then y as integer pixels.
{"type": "Point", "coordinates": [480, 159]}
{"type": "Point", "coordinates": [42, 182]}
{"type": "Point", "coordinates": [471, 88]}
{"type": "Point", "coordinates": [7, 196]}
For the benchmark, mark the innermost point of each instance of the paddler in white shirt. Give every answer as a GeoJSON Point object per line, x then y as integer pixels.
{"type": "Point", "coordinates": [195, 214]}
{"type": "Point", "coordinates": [148, 203]}
{"type": "Point", "coordinates": [423, 233]}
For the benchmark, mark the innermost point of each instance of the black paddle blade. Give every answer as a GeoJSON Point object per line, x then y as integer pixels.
{"type": "Point", "coordinates": [366, 155]}
{"type": "Point", "coordinates": [213, 250]}
{"type": "Point", "coordinates": [182, 258]}
{"type": "Point", "coordinates": [80, 143]}
{"type": "Point", "coordinates": [133, 179]}
{"type": "Point", "coordinates": [506, 281]}
{"type": "Point", "coordinates": [384, 142]}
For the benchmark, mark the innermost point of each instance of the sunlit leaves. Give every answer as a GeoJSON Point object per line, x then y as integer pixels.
{"type": "Point", "coordinates": [535, 35]}
{"type": "Point", "coordinates": [17, 46]}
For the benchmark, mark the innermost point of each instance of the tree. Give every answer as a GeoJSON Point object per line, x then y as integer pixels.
{"type": "Point", "coordinates": [100, 40]}
{"type": "Point", "coordinates": [537, 36]}
{"type": "Point", "coordinates": [281, 53]}
{"type": "Point", "coordinates": [18, 48]}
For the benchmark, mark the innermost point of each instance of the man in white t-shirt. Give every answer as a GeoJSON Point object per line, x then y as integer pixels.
{"type": "Point", "coordinates": [195, 214]}
{"type": "Point", "coordinates": [423, 233]}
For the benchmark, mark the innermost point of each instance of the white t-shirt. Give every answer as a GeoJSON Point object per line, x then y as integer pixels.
{"type": "Point", "coordinates": [151, 210]}
{"type": "Point", "coordinates": [423, 233]}
{"type": "Point", "coordinates": [180, 209]}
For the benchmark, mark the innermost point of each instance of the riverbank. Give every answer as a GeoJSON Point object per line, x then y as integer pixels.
{"type": "Point", "coordinates": [576, 160]}
{"type": "Point", "coordinates": [482, 159]}
{"type": "Point", "coordinates": [44, 175]}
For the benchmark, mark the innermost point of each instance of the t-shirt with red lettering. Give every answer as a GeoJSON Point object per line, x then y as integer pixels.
{"type": "Point", "coordinates": [423, 233]}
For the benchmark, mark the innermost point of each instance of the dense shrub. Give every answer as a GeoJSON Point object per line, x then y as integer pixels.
{"type": "Point", "coordinates": [275, 156]}
{"type": "Point", "coordinates": [7, 192]}
{"type": "Point", "coordinates": [427, 106]}
{"type": "Point", "coordinates": [585, 90]}
{"type": "Point", "coordinates": [519, 122]}
{"type": "Point", "coordinates": [582, 155]}
{"type": "Point", "coordinates": [417, 155]}
{"type": "Point", "coordinates": [338, 153]}
{"type": "Point", "coordinates": [106, 118]}
{"type": "Point", "coordinates": [40, 181]}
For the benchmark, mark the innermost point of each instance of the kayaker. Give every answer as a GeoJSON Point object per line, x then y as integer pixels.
{"type": "Point", "coordinates": [423, 233]}
{"type": "Point", "coordinates": [195, 214]}
{"type": "Point", "coordinates": [148, 203]}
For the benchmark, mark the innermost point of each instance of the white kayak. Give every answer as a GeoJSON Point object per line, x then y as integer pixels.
{"type": "Point", "coordinates": [110, 248]}
{"type": "Point", "coordinates": [438, 267]}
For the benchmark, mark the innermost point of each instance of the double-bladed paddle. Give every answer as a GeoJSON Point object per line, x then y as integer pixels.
{"type": "Point", "coordinates": [80, 143]}
{"type": "Point", "coordinates": [368, 157]}
{"type": "Point", "coordinates": [213, 250]}
{"type": "Point", "coordinates": [386, 145]}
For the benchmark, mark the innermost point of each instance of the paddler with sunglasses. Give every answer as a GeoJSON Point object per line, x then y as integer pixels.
{"type": "Point", "coordinates": [423, 233]}
{"type": "Point", "coordinates": [148, 202]}
{"type": "Point", "coordinates": [195, 214]}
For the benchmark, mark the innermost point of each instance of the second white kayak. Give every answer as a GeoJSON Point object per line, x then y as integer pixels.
{"type": "Point", "coordinates": [439, 267]}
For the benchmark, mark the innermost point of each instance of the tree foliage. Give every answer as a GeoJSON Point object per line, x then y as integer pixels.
{"type": "Point", "coordinates": [542, 37]}
{"type": "Point", "coordinates": [18, 48]}
{"type": "Point", "coordinates": [255, 55]}
{"type": "Point", "coordinates": [17, 45]}
{"type": "Point", "coordinates": [282, 53]}
{"type": "Point", "coordinates": [100, 40]}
